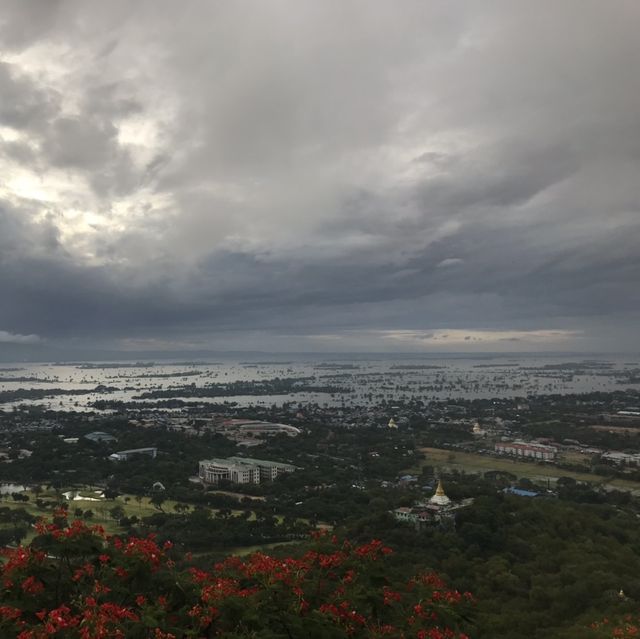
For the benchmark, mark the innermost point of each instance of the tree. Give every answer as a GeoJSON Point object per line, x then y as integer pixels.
{"type": "Point", "coordinates": [110, 493]}
{"type": "Point", "coordinates": [157, 499]}
{"type": "Point", "coordinates": [107, 587]}
{"type": "Point", "coordinates": [117, 512]}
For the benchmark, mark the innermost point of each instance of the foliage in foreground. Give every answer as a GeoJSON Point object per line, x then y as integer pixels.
{"type": "Point", "coordinates": [75, 582]}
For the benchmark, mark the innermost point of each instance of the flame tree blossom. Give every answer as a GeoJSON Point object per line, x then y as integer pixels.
{"type": "Point", "coordinates": [625, 626]}
{"type": "Point", "coordinates": [76, 582]}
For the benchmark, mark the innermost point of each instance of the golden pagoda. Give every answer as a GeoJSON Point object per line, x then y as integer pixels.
{"type": "Point", "coordinates": [392, 423]}
{"type": "Point", "coordinates": [478, 431]}
{"type": "Point", "coordinates": [440, 498]}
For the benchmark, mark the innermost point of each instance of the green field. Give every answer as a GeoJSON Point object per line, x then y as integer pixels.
{"type": "Point", "coordinates": [132, 505]}
{"type": "Point", "coordinates": [100, 507]}
{"type": "Point", "coordinates": [536, 472]}
{"type": "Point", "coordinates": [241, 551]}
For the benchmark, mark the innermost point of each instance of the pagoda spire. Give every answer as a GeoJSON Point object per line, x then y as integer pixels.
{"type": "Point", "coordinates": [440, 498]}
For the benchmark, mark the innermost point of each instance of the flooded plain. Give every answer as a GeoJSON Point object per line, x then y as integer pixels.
{"type": "Point", "coordinates": [331, 382]}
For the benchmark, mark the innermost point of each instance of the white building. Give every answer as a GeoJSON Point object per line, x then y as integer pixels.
{"type": "Point", "coordinates": [213, 470]}
{"type": "Point", "coordinates": [621, 458]}
{"type": "Point", "coordinates": [124, 455]}
{"type": "Point", "coordinates": [269, 470]}
{"type": "Point", "coordinates": [254, 428]}
{"type": "Point", "coordinates": [241, 470]}
{"type": "Point", "coordinates": [527, 449]}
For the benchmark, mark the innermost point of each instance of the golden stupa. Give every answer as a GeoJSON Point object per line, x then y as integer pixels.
{"type": "Point", "coordinates": [440, 498]}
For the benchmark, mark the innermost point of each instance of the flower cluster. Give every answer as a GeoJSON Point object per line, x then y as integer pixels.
{"type": "Point", "coordinates": [76, 582]}
{"type": "Point", "coordinates": [625, 627]}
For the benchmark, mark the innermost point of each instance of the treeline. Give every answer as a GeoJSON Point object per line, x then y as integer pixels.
{"type": "Point", "coordinates": [204, 531]}
{"type": "Point", "coordinates": [41, 393]}
{"type": "Point", "coordinates": [274, 386]}
{"type": "Point", "coordinates": [541, 568]}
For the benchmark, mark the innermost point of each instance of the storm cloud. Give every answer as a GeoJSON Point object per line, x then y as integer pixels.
{"type": "Point", "coordinates": [295, 175]}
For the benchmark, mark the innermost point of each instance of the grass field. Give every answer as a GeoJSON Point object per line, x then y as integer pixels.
{"type": "Point", "coordinates": [238, 496]}
{"type": "Point", "coordinates": [242, 551]}
{"type": "Point", "coordinates": [536, 472]}
{"type": "Point", "coordinates": [100, 507]}
{"type": "Point", "coordinates": [575, 457]}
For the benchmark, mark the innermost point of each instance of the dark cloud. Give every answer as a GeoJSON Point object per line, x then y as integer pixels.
{"type": "Point", "coordinates": [24, 21]}
{"type": "Point", "coordinates": [76, 143]}
{"type": "Point", "coordinates": [23, 103]}
{"type": "Point", "coordinates": [348, 171]}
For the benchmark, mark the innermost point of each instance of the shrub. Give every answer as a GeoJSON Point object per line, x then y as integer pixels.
{"type": "Point", "coordinates": [74, 581]}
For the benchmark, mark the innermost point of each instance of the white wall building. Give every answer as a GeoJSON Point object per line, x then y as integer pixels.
{"type": "Point", "coordinates": [125, 455]}
{"type": "Point", "coordinates": [527, 449]}
{"type": "Point", "coordinates": [241, 470]}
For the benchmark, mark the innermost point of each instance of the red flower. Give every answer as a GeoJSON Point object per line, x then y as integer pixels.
{"type": "Point", "coordinates": [329, 583]}
{"type": "Point", "coordinates": [9, 612]}
{"type": "Point", "coordinates": [32, 586]}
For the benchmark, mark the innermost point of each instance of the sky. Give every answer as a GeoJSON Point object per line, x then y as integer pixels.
{"type": "Point", "coordinates": [320, 176]}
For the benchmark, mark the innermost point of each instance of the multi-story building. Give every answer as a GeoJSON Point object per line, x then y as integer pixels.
{"type": "Point", "coordinates": [527, 449]}
{"type": "Point", "coordinates": [213, 470]}
{"type": "Point", "coordinates": [621, 458]}
{"type": "Point", "coordinates": [269, 470]}
{"type": "Point", "coordinates": [241, 470]}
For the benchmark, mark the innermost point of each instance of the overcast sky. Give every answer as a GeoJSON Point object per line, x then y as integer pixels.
{"type": "Point", "coordinates": [336, 175]}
